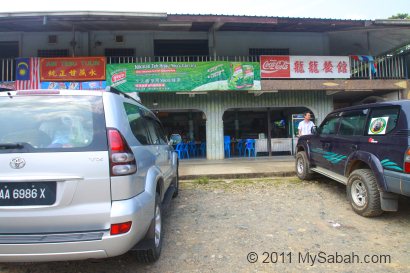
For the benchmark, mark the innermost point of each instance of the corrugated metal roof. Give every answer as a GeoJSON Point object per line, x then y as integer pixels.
{"type": "Point", "coordinates": [147, 21]}
{"type": "Point", "coordinates": [256, 16]}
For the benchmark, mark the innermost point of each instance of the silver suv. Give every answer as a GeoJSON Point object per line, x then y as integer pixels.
{"type": "Point", "coordinates": [83, 174]}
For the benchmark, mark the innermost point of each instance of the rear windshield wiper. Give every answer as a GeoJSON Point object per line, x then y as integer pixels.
{"type": "Point", "coordinates": [11, 145]}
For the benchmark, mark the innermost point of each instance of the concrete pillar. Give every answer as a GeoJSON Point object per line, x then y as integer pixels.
{"type": "Point", "coordinates": [191, 127]}
{"type": "Point", "coordinates": [236, 125]}
{"type": "Point", "coordinates": [214, 133]}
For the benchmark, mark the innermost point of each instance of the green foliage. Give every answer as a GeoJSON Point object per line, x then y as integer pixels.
{"type": "Point", "coordinates": [202, 180]}
{"type": "Point", "coordinates": [400, 16]}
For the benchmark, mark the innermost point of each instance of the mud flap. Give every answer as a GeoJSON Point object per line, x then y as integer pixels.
{"type": "Point", "coordinates": [389, 201]}
{"type": "Point", "coordinates": [148, 242]}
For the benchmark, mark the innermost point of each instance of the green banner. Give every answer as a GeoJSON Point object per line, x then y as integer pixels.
{"type": "Point", "coordinates": [184, 76]}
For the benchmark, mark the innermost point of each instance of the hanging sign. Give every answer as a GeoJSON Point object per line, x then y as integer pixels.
{"type": "Point", "coordinates": [72, 69]}
{"type": "Point", "coordinates": [184, 76]}
{"type": "Point", "coordinates": [305, 67]}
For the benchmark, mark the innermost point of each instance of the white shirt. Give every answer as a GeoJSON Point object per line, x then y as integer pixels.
{"type": "Point", "coordinates": [305, 127]}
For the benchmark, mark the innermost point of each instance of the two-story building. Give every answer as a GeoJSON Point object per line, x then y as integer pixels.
{"type": "Point", "coordinates": [239, 94]}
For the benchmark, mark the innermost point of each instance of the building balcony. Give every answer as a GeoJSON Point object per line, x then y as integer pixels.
{"type": "Point", "coordinates": [382, 68]}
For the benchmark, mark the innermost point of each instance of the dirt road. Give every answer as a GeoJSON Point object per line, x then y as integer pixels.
{"type": "Point", "coordinates": [264, 225]}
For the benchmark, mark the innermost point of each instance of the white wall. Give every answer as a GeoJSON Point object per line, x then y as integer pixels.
{"type": "Point", "coordinates": [31, 42]}
{"type": "Point", "coordinates": [226, 43]}
{"type": "Point", "coordinates": [238, 43]}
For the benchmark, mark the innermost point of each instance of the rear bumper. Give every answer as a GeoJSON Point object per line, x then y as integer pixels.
{"type": "Point", "coordinates": [397, 182]}
{"type": "Point", "coordinates": [139, 210]}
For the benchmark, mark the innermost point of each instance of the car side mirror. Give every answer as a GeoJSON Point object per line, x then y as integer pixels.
{"type": "Point", "coordinates": [314, 130]}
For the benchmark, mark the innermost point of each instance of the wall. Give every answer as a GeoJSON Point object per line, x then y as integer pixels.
{"type": "Point", "coordinates": [298, 43]}
{"type": "Point", "coordinates": [143, 42]}
{"type": "Point", "coordinates": [369, 42]}
{"type": "Point", "coordinates": [31, 42]}
{"type": "Point", "coordinates": [214, 104]}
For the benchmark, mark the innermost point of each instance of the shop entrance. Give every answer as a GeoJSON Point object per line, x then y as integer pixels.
{"type": "Point", "coordinates": [187, 131]}
{"type": "Point", "coordinates": [247, 131]}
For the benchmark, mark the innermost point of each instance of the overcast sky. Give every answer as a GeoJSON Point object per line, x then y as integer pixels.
{"type": "Point", "coordinates": [338, 9]}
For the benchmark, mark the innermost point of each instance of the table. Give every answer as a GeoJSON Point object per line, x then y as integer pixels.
{"type": "Point", "coordinates": [277, 145]}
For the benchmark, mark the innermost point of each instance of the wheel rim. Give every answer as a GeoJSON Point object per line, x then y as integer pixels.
{"type": "Point", "coordinates": [157, 226]}
{"type": "Point", "coordinates": [359, 193]}
{"type": "Point", "coordinates": [299, 165]}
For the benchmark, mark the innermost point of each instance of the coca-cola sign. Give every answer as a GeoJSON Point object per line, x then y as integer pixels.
{"type": "Point", "coordinates": [275, 66]}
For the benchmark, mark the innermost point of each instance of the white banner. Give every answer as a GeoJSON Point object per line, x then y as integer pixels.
{"type": "Point", "coordinates": [319, 67]}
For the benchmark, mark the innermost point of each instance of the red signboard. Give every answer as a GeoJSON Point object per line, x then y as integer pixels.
{"type": "Point", "coordinates": [275, 66]}
{"type": "Point", "coordinates": [72, 69]}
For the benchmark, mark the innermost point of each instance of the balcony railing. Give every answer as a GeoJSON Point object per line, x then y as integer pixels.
{"type": "Point", "coordinates": [387, 67]}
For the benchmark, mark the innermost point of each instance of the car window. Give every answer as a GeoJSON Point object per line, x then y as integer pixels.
{"type": "Point", "coordinates": [151, 126]}
{"type": "Point", "coordinates": [329, 126]}
{"type": "Point", "coordinates": [53, 123]}
{"type": "Point", "coordinates": [352, 123]}
{"type": "Point", "coordinates": [382, 120]}
{"type": "Point", "coordinates": [137, 123]}
{"type": "Point", "coordinates": [160, 132]}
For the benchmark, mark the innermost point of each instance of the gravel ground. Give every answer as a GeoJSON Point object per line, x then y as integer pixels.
{"type": "Point", "coordinates": [213, 226]}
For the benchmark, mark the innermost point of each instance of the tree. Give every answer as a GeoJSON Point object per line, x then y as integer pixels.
{"type": "Point", "coordinates": [400, 16]}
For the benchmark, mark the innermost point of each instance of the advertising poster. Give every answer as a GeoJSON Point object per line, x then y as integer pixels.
{"type": "Point", "coordinates": [92, 85]}
{"type": "Point", "coordinates": [181, 76]}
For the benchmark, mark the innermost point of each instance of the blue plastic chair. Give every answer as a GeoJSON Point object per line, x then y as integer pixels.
{"type": "Point", "coordinates": [192, 148]}
{"type": "Point", "coordinates": [250, 147]}
{"type": "Point", "coordinates": [182, 149]}
{"type": "Point", "coordinates": [185, 149]}
{"type": "Point", "coordinates": [202, 149]}
{"type": "Point", "coordinates": [178, 149]}
{"type": "Point", "coordinates": [227, 146]}
{"type": "Point", "coordinates": [239, 147]}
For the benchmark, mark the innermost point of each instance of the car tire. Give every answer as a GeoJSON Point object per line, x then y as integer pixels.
{"type": "Point", "coordinates": [302, 166]}
{"type": "Point", "coordinates": [154, 234]}
{"type": "Point", "coordinates": [363, 193]}
{"type": "Point", "coordinates": [175, 182]}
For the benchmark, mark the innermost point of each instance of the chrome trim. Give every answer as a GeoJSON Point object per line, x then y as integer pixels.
{"type": "Point", "coordinates": [50, 238]}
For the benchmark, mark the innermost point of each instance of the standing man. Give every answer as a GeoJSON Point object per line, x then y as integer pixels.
{"type": "Point", "coordinates": [305, 126]}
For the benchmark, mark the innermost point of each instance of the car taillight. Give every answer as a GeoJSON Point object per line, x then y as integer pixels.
{"type": "Point", "coordinates": [120, 228]}
{"type": "Point", "coordinates": [122, 160]}
{"type": "Point", "coordinates": [407, 161]}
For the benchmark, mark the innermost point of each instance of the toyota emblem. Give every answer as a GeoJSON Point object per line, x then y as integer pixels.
{"type": "Point", "coordinates": [17, 163]}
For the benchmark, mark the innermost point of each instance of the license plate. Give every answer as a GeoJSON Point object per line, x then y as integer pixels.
{"type": "Point", "coordinates": [27, 193]}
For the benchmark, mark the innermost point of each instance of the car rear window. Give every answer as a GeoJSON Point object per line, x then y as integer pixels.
{"type": "Point", "coordinates": [52, 124]}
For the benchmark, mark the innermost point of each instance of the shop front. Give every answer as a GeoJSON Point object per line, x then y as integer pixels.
{"type": "Point", "coordinates": [242, 115]}
{"type": "Point", "coordinates": [272, 130]}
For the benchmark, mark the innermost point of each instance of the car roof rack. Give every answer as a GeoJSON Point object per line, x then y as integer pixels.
{"type": "Point", "coordinates": [118, 92]}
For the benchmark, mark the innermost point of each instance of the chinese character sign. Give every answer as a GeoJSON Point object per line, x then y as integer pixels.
{"type": "Point", "coordinates": [72, 69]}
{"type": "Point", "coordinates": [305, 67]}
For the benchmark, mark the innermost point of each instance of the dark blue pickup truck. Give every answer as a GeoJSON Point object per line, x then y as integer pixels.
{"type": "Point", "coordinates": [365, 147]}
